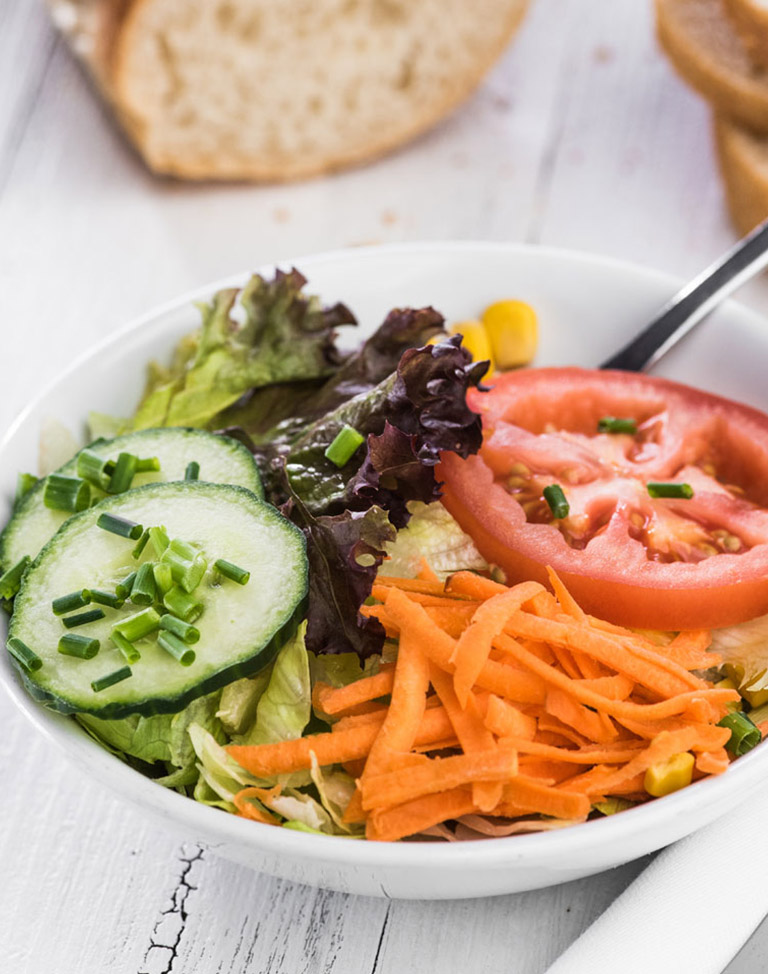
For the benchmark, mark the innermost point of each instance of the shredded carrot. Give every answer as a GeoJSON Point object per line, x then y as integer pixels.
{"type": "Point", "coordinates": [334, 700]}
{"type": "Point", "coordinates": [567, 602]}
{"type": "Point", "coordinates": [446, 600]}
{"type": "Point", "coordinates": [473, 586]}
{"type": "Point", "coordinates": [415, 816]}
{"type": "Point", "coordinates": [591, 724]}
{"type": "Point", "coordinates": [426, 572]}
{"type": "Point", "coordinates": [506, 720]}
{"type": "Point", "coordinates": [532, 795]}
{"type": "Point", "coordinates": [713, 762]}
{"type": "Point", "coordinates": [246, 808]}
{"type": "Point", "coordinates": [421, 586]}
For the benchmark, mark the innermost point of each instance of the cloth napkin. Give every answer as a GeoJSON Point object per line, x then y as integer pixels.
{"type": "Point", "coordinates": [691, 910]}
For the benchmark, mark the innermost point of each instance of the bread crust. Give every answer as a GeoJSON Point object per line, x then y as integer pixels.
{"type": "Point", "coordinates": [743, 159]}
{"type": "Point", "coordinates": [751, 23]}
{"type": "Point", "coordinates": [115, 81]}
{"type": "Point", "coordinates": [707, 52]}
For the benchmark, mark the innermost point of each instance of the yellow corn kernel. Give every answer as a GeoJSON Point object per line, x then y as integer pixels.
{"type": "Point", "coordinates": [475, 340]}
{"type": "Point", "coordinates": [728, 684]}
{"type": "Point", "coordinates": [513, 332]}
{"type": "Point", "coordinates": [755, 698]}
{"type": "Point", "coordinates": [668, 776]}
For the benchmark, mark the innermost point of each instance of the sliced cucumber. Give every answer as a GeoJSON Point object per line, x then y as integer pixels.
{"type": "Point", "coordinates": [222, 461]}
{"type": "Point", "coordinates": [241, 626]}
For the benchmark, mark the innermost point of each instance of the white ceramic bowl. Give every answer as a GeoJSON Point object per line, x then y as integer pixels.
{"type": "Point", "coordinates": [588, 307]}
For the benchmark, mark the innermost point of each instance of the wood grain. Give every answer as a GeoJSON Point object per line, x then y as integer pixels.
{"type": "Point", "coordinates": [582, 137]}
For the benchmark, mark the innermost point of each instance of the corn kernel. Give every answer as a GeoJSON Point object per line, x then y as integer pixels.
{"type": "Point", "coordinates": [728, 684]}
{"type": "Point", "coordinates": [667, 776]}
{"type": "Point", "coordinates": [513, 332]}
{"type": "Point", "coordinates": [755, 698]}
{"type": "Point", "coordinates": [475, 341]}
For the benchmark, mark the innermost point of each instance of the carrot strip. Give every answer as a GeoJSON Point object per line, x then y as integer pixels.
{"type": "Point", "coordinates": [545, 772]}
{"type": "Point", "coordinates": [470, 585]}
{"type": "Point", "coordinates": [474, 645]}
{"type": "Point", "coordinates": [713, 762]}
{"type": "Point", "coordinates": [566, 661]}
{"type": "Point", "coordinates": [334, 747]}
{"type": "Point", "coordinates": [420, 586]}
{"type": "Point", "coordinates": [247, 810]}
{"type": "Point", "coordinates": [333, 700]}
{"type": "Point", "coordinates": [426, 573]}
{"type": "Point", "coordinates": [415, 816]}
{"type": "Point", "coordinates": [381, 592]}
{"type": "Point", "coordinates": [496, 677]}
{"type": "Point", "coordinates": [554, 731]}
{"type": "Point", "coordinates": [617, 687]}
{"type": "Point", "coordinates": [353, 813]}
{"type": "Point", "coordinates": [714, 699]}
{"type": "Point", "coordinates": [471, 732]}
{"type": "Point", "coordinates": [617, 754]}
{"type": "Point", "coordinates": [380, 612]}
{"type": "Point", "coordinates": [360, 720]}
{"type": "Point", "coordinates": [354, 768]}
{"type": "Point", "coordinates": [661, 748]}
{"type": "Point", "coordinates": [564, 597]}
{"type": "Point", "coordinates": [688, 649]}
{"type": "Point", "coordinates": [453, 620]}
{"type": "Point", "coordinates": [438, 774]}
{"type": "Point", "coordinates": [505, 720]}
{"type": "Point", "coordinates": [594, 726]}
{"type": "Point", "coordinates": [406, 708]}
{"type": "Point", "coordinates": [532, 795]}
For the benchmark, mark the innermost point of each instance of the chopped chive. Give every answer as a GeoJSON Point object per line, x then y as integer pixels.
{"type": "Point", "coordinates": [24, 483]}
{"type": "Point", "coordinates": [106, 598]}
{"type": "Point", "coordinates": [123, 589]}
{"type": "Point", "coordinates": [178, 649]}
{"type": "Point", "coordinates": [744, 732]}
{"type": "Point", "coordinates": [185, 550]}
{"type": "Point", "coordinates": [110, 679]}
{"type": "Point", "coordinates": [233, 572]}
{"type": "Point", "coordinates": [83, 618]}
{"type": "Point", "coordinates": [147, 465]}
{"type": "Point", "coordinates": [129, 651]}
{"type": "Point", "coordinates": [656, 489]}
{"type": "Point", "coordinates": [23, 654]}
{"type": "Point", "coordinates": [182, 605]}
{"type": "Point", "coordinates": [123, 474]}
{"type": "Point", "coordinates": [141, 544]}
{"type": "Point", "coordinates": [180, 628]}
{"type": "Point", "coordinates": [109, 467]}
{"type": "Point", "coordinates": [66, 493]}
{"type": "Point", "coordinates": [193, 471]}
{"type": "Point", "coordinates": [90, 467]}
{"type": "Point", "coordinates": [144, 588]}
{"type": "Point", "coordinates": [68, 603]}
{"type": "Point", "coordinates": [344, 446]}
{"type": "Point", "coordinates": [139, 625]}
{"type": "Point", "coordinates": [555, 497]}
{"type": "Point", "coordinates": [10, 582]}
{"type": "Point", "coordinates": [82, 647]}
{"type": "Point", "coordinates": [120, 526]}
{"type": "Point", "coordinates": [159, 538]}
{"type": "Point", "coordinates": [187, 564]}
{"type": "Point", "coordinates": [163, 577]}
{"type": "Point", "coordinates": [613, 424]}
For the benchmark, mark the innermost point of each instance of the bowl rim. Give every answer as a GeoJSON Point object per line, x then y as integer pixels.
{"type": "Point", "coordinates": [534, 848]}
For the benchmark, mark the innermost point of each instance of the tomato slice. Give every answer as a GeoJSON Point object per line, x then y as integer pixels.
{"type": "Point", "coordinates": [665, 563]}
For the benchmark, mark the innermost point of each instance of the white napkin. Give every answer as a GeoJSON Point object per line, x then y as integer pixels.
{"type": "Point", "coordinates": [691, 910]}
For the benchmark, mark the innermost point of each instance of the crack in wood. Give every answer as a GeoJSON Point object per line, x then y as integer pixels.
{"type": "Point", "coordinates": [172, 921]}
{"type": "Point", "coordinates": [375, 967]}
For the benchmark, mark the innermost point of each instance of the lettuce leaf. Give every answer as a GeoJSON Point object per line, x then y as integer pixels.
{"type": "Point", "coordinates": [239, 701]}
{"type": "Point", "coordinates": [744, 652]}
{"type": "Point", "coordinates": [431, 533]}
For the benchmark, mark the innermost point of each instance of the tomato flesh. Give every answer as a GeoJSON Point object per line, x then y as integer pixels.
{"type": "Point", "coordinates": [659, 563]}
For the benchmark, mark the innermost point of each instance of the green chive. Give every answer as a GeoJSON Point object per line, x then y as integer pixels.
{"type": "Point", "coordinates": [23, 654]}
{"type": "Point", "coordinates": [144, 588]}
{"type": "Point", "coordinates": [163, 577]}
{"type": "Point", "coordinates": [90, 467]}
{"type": "Point", "coordinates": [182, 605]}
{"type": "Point", "coordinates": [123, 474]}
{"type": "Point", "coordinates": [612, 424]}
{"type": "Point", "coordinates": [141, 544]}
{"type": "Point", "coordinates": [83, 618]}
{"type": "Point", "coordinates": [66, 493]}
{"type": "Point", "coordinates": [187, 564]}
{"type": "Point", "coordinates": [68, 603]}
{"type": "Point", "coordinates": [184, 550]}
{"type": "Point", "coordinates": [555, 497]}
{"type": "Point", "coordinates": [106, 598]}
{"type": "Point", "coordinates": [178, 649]}
{"type": "Point", "coordinates": [656, 489]}
{"type": "Point", "coordinates": [24, 483]}
{"type": "Point", "coordinates": [123, 589]}
{"type": "Point", "coordinates": [344, 446]}
{"type": "Point", "coordinates": [193, 471]}
{"type": "Point", "coordinates": [120, 526]}
{"type": "Point", "coordinates": [744, 733]}
{"type": "Point", "coordinates": [110, 679]}
{"type": "Point", "coordinates": [189, 634]}
{"type": "Point", "coordinates": [147, 465]}
{"type": "Point", "coordinates": [159, 538]}
{"type": "Point", "coordinates": [10, 582]}
{"type": "Point", "coordinates": [139, 625]}
{"type": "Point", "coordinates": [129, 651]}
{"type": "Point", "coordinates": [82, 647]}
{"type": "Point", "coordinates": [233, 572]}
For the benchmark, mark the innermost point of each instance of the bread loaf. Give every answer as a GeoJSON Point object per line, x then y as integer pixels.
{"type": "Point", "coordinates": [743, 159]}
{"type": "Point", "coordinates": [281, 89]}
{"type": "Point", "coordinates": [750, 18]}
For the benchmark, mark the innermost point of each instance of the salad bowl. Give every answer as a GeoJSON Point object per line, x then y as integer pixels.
{"type": "Point", "coordinates": [587, 307]}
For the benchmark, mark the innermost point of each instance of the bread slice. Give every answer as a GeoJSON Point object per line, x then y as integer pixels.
{"type": "Point", "coordinates": [750, 18]}
{"type": "Point", "coordinates": [706, 50]}
{"type": "Point", "coordinates": [743, 160]}
{"type": "Point", "coordinates": [280, 89]}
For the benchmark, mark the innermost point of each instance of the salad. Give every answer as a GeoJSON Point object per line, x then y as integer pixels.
{"type": "Point", "coordinates": [408, 591]}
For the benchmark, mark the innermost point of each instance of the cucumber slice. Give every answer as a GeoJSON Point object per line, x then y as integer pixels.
{"type": "Point", "coordinates": [241, 627]}
{"type": "Point", "coordinates": [222, 461]}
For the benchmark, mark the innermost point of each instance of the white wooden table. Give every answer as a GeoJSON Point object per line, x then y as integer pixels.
{"type": "Point", "coordinates": [581, 137]}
